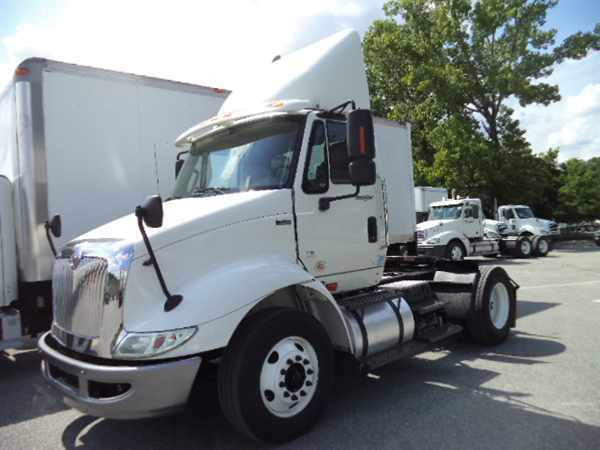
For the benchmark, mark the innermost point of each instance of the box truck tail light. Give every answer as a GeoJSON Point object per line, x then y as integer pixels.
{"type": "Point", "coordinates": [21, 71]}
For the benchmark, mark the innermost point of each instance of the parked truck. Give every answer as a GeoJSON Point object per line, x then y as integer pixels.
{"type": "Point", "coordinates": [269, 257]}
{"type": "Point", "coordinates": [457, 228]}
{"type": "Point", "coordinates": [520, 220]}
{"type": "Point", "coordinates": [81, 144]}
{"type": "Point", "coordinates": [425, 196]}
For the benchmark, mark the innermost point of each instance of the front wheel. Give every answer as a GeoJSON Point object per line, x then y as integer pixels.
{"type": "Point", "coordinates": [455, 251]}
{"type": "Point", "coordinates": [276, 375]}
{"type": "Point", "coordinates": [524, 247]}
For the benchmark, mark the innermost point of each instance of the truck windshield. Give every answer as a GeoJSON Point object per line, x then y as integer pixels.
{"type": "Point", "coordinates": [524, 213]}
{"type": "Point", "coordinates": [445, 212]}
{"type": "Point", "coordinates": [245, 157]}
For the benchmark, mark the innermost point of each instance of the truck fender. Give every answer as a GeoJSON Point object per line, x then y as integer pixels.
{"type": "Point", "coordinates": [217, 302]}
{"type": "Point", "coordinates": [529, 229]}
{"type": "Point", "coordinates": [450, 235]}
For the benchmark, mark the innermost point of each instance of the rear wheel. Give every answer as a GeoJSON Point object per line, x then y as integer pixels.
{"type": "Point", "coordinates": [524, 247]}
{"type": "Point", "coordinates": [489, 323]}
{"type": "Point", "coordinates": [276, 374]}
{"type": "Point", "coordinates": [455, 251]}
{"type": "Point", "coordinates": [542, 246]}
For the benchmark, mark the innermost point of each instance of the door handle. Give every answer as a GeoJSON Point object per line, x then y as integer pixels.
{"type": "Point", "coordinates": [372, 229]}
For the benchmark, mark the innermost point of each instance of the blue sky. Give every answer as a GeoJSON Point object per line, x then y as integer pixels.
{"type": "Point", "coordinates": [213, 42]}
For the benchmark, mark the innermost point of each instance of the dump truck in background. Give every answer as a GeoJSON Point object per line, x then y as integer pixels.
{"type": "Point", "coordinates": [81, 144]}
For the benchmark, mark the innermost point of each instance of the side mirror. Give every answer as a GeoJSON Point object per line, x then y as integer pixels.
{"type": "Point", "coordinates": [151, 211]}
{"type": "Point", "coordinates": [360, 135]}
{"type": "Point", "coordinates": [468, 213]}
{"type": "Point", "coordinates": [179, 162]}
{"type": "Point", "coordinates": [55, 226]}
{"type": "Point", "coordinates": [362, 172]}
{"type": "Point", "coordinates": [178, 166]}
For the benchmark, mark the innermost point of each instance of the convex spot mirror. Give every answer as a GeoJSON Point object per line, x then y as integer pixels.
{"type": "Point", "coordinates": [360, 137]}
{"type": "Point", "coordinates": [151, 211]}
{"type": "Point", "coordinates": [55, 226]}
{"type": "Point", "coordinates": [362, 172]}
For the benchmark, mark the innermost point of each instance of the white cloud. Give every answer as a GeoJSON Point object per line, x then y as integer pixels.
{"type": "Point", "coordinates": [204, 42]}
{"type": "Point", "coordinates": [572, 123]}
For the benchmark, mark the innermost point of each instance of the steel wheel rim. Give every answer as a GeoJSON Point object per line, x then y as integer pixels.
{"type": "Point", "coordinates": [289, 376]}
{"type": "Point", "coordinates": [525, 247]}
{"type": "Point", "coordinates": [499, 305]}
{"type": "Point", "coordinates": [543, 246]}
{"type": "Point", "coordinates": [456, 254]}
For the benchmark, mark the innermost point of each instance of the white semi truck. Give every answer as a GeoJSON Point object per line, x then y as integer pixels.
{"type": "Point", "coordinates": [520, 220]}
{"type": "Point", "coordinates": [269, 256]}
{"type": "Point", "coordinates": [81, 144]}
{"type": "Point", "coordinates": [457, 228]}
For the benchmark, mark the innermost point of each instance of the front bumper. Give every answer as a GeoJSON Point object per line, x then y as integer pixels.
{"type": "Point", "coordinates": [119, 391]}
{"type": "Point", "coordinates": [434, 251]}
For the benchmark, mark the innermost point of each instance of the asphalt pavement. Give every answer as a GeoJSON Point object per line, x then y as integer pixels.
{"type": "Point", "coordinates": [540, 389]}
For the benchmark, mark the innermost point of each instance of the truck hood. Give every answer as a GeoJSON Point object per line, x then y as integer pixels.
{"type": "Point", "coordinates": [432, 224]}
{"type": "Point", "coordinates": [187, 217]}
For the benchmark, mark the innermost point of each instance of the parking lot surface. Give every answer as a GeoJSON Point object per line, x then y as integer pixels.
{"type": "Point", "coordinates": [540, 389]}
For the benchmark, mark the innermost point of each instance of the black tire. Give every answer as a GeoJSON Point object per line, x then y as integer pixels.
{"type": "Point", "coordinates": [240, 371]}
{"type": "Point", "coordinates": [519, 250]}
{"type": "Point", "coordinates": [479, 326]}
{"type": "Point", "coordinates": [541, 246]}
{"type": "Point", "coordinates": [450, 249]}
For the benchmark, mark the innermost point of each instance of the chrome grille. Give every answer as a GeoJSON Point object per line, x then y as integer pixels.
{"type": "Point", "coordinates": [88, 286]}
{"type": "Point", "coordinates": [77, 295]}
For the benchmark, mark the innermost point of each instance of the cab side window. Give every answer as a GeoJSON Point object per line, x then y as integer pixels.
{"type": "Point", "coordinates": [316, 174]}
{"type": "Point", "coordinates": [338, 155]}
{"type": "Point", "coordinates": [475, 211]}
{"type": "Point", "coordinates": [508, 214]}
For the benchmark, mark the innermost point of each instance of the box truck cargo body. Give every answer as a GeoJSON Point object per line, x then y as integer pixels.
{"type": "Point", "coordinates": [85, 144]}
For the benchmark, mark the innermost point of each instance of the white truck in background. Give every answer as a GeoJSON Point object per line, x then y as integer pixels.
{"type": "Point", "coordinates": [269, 256]}
{"type": "Point", "coordinates": [457, 228]}
{"type": "Point", "coordinates": [82, 144]}
{"type": "Point", "coordinates": [424, 197]}
{"type": "Point", "coordinates": [520, 220]}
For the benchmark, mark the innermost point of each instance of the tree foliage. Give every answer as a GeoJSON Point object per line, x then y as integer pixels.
{"type": "Point", "coordinates": [450, 67]}
{"type": "Point", "coordinates": [579, 193]}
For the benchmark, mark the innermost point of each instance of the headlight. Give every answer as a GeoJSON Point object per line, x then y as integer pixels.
{"type": "Point", "coordinates": [433, 241]}
{"type": "Point", "coordinates": [145, 345]}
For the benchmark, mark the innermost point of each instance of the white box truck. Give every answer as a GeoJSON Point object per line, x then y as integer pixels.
{"type": "Point", "coordinates": [425, 196]}
{"type": "Point", "coordinates": [82, 143]}
{"type": "Point", "coordinates": [270, 256]}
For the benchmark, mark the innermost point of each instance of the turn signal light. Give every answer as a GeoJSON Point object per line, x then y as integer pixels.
{"type": "Point", "coordinates": [331, 287]}
{"type": "Point", "coordinates": [21, 71]}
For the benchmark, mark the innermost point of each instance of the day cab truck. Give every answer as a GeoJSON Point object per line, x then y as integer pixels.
{"type": "Point", "coordinates": [520, 220]}
{"type": "Point", "coordinates": [78, 145]}
{"type": "Point", "coordinates": [268, 257]}
{"type": "Point", "coordinates": [457, 228]}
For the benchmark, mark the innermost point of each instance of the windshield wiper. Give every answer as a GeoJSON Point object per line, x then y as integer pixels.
{"type": "Point", "coordinates": [198, 192]}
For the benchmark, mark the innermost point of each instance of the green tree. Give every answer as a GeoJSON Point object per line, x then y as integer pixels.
{"type": "Point", "coordinates": [579, 194]}
{"type": "Point", "coordinates": [449, 67]}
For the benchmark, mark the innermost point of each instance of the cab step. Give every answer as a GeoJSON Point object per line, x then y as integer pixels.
{"type": "Point", "coordinates": [437, 334]}
{"type": "Point", "coordinates": [422, 343]}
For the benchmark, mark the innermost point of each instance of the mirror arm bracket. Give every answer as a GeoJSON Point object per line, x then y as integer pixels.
{"type": "Point", "coordinates": [325, 202]}
{"type": "Point", "coordinates": [172, 300]}
{"type": "Point", "coordinates": [50, 241]}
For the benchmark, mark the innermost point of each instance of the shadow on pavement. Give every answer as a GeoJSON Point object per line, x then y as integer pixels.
{"type": "Point", "coordinates": [23, 392]}
{"type": "Point", "coordinates": [414, 404]}
{"type": "Point", "coordinates": [529, 307]}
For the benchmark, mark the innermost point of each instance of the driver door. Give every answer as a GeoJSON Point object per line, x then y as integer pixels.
{"type": "Point", "coordinates": [343, 246]}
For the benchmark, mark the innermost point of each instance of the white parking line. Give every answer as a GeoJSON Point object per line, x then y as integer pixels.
{"type": "Point", "coordinates": [543, 286]}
